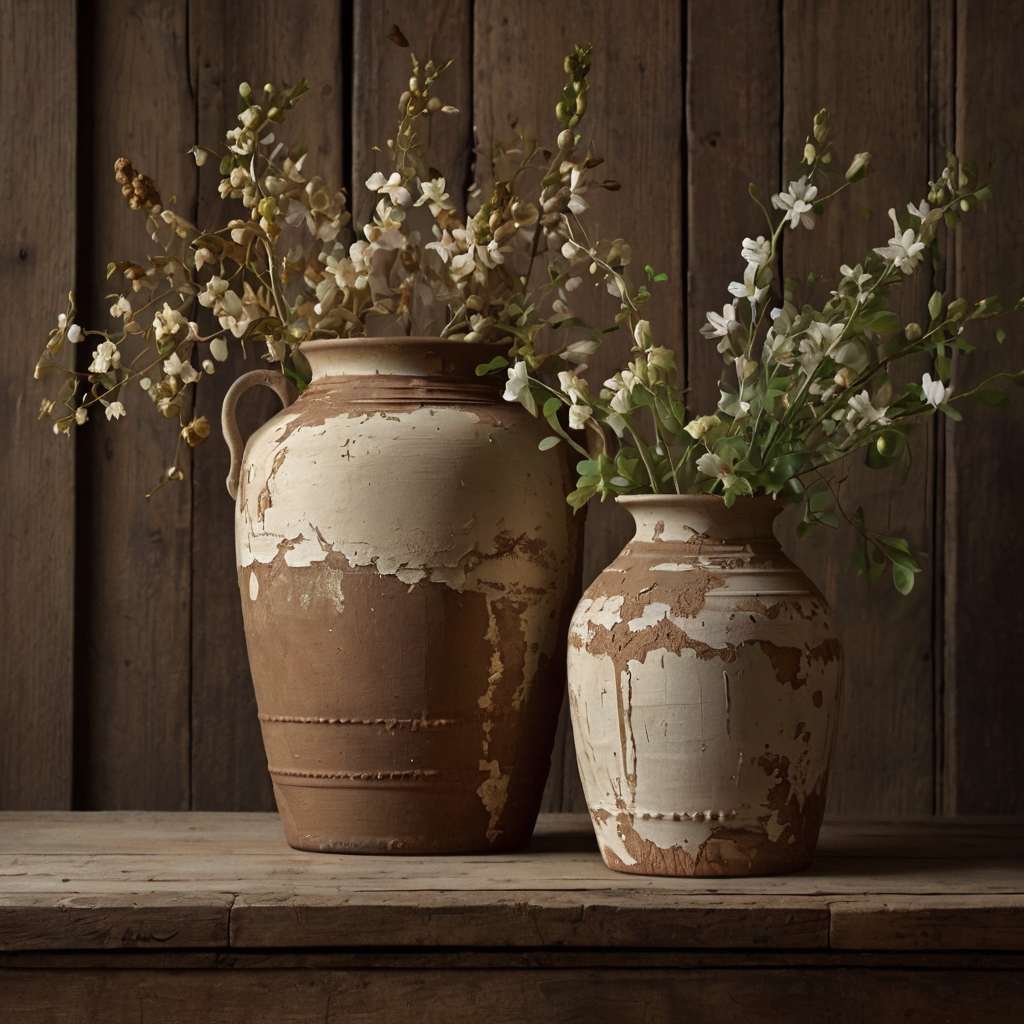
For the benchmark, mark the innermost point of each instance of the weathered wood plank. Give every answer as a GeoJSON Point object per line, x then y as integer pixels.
{"type": "Point", "coordinates": [877, 96]}
{"type": "Point", "coordinates": [37, 501]}
{"type": "Point", "coordinates": [984, 620]}
{"type": "Point", "coordinates": [132, 921]}
{"type": "Point", "coordinates": [380, 74]}
{"type": "Point", "coordinates": [593, 996]}
{"type": "Point", "coordinates": [132, 728]}
{"type": "Point", "coordinates": [932, 923]}
{"type": "Point", "coordinates": [637, 66]}
{"type": "Point", "coordinates": [734, 111]}
{"type": "Point", "coordinates": [511, 918]}
{"type": "Point", "coordinates": [269, 44]}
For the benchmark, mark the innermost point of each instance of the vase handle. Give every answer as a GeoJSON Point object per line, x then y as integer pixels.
{"type": "Point", "coordinates": [278, 383]}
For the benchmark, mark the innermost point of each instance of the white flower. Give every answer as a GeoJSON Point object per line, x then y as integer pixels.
{"type": "Point", "coordinates": [167, 321]}
{"type": "Point", "coordinates": [105, 356]}
{"type": "Point", "coordinates": [698, 427]}
{"type": "Point", "coordinates": [858, 277]}
{"type": "Point", "coordinates": [757, 251]}
{"type": "Point", "coordinates": [578, 416]}
{"type": "Point", "coordinates": [518, 387]}
{"type": "Point", "coordinates": [904, 249]}
{"type": "Point", "coordinates": [446, 247]}
{"type": "Point", "coordinates": [620, 402]}
{"type": "Point", "coordinates": [433, 192]}
{"type": "Point", "coordinates": [121, 308]}
{"type": "Point", "coordinates": [74, 334]}
{"type": "Point", "coordinates": [219, 349]}
{"type": "Point", "coordinates": [174, 366]}
{"type": "Point", "coordinates": [617, 423]}
{"type": "Point", "coordinates": [721, 326]}
{"type": "Point", "coordinates": [573, 386]}
{"type": "Point", "coordinates": [215, 288]}
{"type": "Point", "coordinates": [921, 211]}
{"type": "Point", "coordinates": [204, 255]}
{"type": "Point", "coordinates": [713, 465]}
{"type": "Point", "coordinates": [392, 187]}
{"type": "Point", "coordinates": [642, 334]}
{"type": "Point", "coordinates": [935, 392]}
{"type": "Point", "coordinates": [780, 347]}
{"type": "Point", "coordinates": [81, 415]}
{"type": "Point", "coordinates": [863, 414]}
{"type": "Point", "coordinates": [826, 335]}
{"type": "Point", "coordinates": [797, 203]}
{"type": "Point", "coordinates": [661, 357]}
{"type": "Point", "coordinates": [62, 319]}
{"type": "Point", "coordinates": [114, 411]}
{"type": "Point", "coordinates": [747, 288]}
{"type": "Point", "coordinates": [578, 351]}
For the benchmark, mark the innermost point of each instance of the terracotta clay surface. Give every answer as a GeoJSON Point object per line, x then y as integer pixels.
{"type": "Point", "coordinates": [406, 560]}
{"type": "Point", "coordinates": [705, 672]}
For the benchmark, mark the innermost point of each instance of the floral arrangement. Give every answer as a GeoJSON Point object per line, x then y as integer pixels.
{"type": "Point", "coordinates": [291, 269]}
{"type": "Point", "coordinates": [805, 387]}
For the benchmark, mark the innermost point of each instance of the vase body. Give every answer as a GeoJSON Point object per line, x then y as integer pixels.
{"type": "Point", "coordinates": [406, 561]}
{"type": "Point", "coordinates": [705, 672]}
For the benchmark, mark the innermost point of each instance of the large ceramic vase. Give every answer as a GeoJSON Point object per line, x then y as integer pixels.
{"type": "Point", "coordinates": [407, 561]}
{"type": "Point", "coordinates": [704, 683]}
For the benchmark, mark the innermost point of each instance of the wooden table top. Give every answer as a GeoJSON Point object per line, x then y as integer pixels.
{"type": "Point", "coordinates": [114, 880]}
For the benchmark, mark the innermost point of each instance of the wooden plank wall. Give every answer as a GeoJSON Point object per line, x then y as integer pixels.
{"type": "Point", "coordinates": [123, 677]}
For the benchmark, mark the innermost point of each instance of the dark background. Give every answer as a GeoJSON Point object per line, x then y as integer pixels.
{"type": "Point", "coordinates": [123, 675]}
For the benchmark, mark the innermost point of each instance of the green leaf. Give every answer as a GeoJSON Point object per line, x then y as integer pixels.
{"type": "Point", "coordinates": [549, 442]}
{"type": "Point", "coordinates": [551, 406]}
{"type": "Point", "coordinates": [903, 578]}
{"type": "Point", "coordinates": [1000, 335]}
{"type": "Point", "coordinates": [829, 519]}
{"type": "Point", "coordinates": [497, 363]}
{"type": "Point", "coordinates": [995, 397]}
{"type": "Point", "coordinates": [935, 305]}
{"type": "Point", "coordinates": [820, 501]}
{"type": "Point", "coordinates": [859, 560]}
{"type": "Point", "coordinates": [951, 412]}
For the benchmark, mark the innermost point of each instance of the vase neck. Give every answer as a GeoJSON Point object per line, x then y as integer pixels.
{"type": "Point", "coordinates": [693, 518]}
{"type": "Point", "coordinates": [395, 356]}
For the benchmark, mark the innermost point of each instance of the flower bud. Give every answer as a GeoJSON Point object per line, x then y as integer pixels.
{"type": "Point", "coordinates": [912, 331]}
{"type": "Point", "coordinates": [244, 90]}
{"type": "Point", "coordinates": [566, 138]}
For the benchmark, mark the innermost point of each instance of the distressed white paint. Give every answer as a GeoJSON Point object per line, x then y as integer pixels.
{"type": "Point", "coordinates": [676, 733]}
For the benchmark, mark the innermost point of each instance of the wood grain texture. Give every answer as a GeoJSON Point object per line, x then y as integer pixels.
{"type": "Point", "coordinates": [734, 112]}
{"type": "Point", "coordinates": [588, 996]}
{"type": "Point", "coordinates": [637, 66]}
{"type": "Point", "coordinates": [132, 699]}
{"type": "Point", "coordinates": [877, 97]}
{"type": "Point", "coordinates": [37, 501]}
{"type": "Point", "coordinates": [142, 880]}
{"type": "Point", "coordinates": [380, 74]}
{"type": "Point", "coordinates": [985, 617]}
{"type": "Point", "coordinates": [272, 44]}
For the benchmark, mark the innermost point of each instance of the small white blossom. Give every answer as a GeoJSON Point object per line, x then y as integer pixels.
{"type": "Point", "coordinates": [219, 349]}
{"type": "Point", "coordinates": [904, 249]}
{"type": "Point", "coordinates": [797, 202]}
{"type": "Point", "coordinates": [698, 427]}
{"type": "Point", "coordinates": [863, 414]}
{"type": "Point", "coordinates": [935, 392]}
{"type": "Point", "coordinates": [573, 386]}
{"type": "Point", "coordinates": [747, 288]}
{"type": "Point", "coordinates": [121, 308]}
{"type": "Point", "coordinates": [719, 326]}
{"type": "Point", "coordinates": [114, 411]}
{"type": "Point", "coordinates": [433, 192]}
{"type": "Point", "coordinates": [167, 321]}
{"type": "Point", "coordinates": [620, 402]}
{"type": "Point", "coordinates": [920, 211]}
{"type": "Point", "coordinates": [204, 256]}
{"type": "Point", "coordinates": [392, 187]}
{"type": "Point", "coordinates": [518, 387]}
{"type": "Point", "coordinates": [757, 251]}
{"type": "Point", "coordinates": [713, 465]}
{"type": "Point", "coordinates": [105, 357]}
{"type": "Point", "coordinates": [578, 351]}
{"type": "Point", "coordinates": [81, 415]}
{"type": "Point", "coordinates": [74, 334]}
{"type": "Point", "coordinates": [578, 416]}
{"type": "Point", "coordinates": [174, 366]}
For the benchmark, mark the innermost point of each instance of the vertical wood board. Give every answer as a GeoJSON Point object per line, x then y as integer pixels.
{"type": "Point", "coordinates": [132, 687]}
{"type": "Point", "coordinates": [37, 499]}
{"type": "Point", "coordinates": [877, 97]}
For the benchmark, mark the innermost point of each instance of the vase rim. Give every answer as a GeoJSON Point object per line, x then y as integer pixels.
{"type": "Point", "coordinates": [397, 355]}
{"type": "Point", "coordinates": [689, 517]}
{"type": "Point", "coordinates": [392, 341]}
{"type": "Point", "coordinates": [709, 500]}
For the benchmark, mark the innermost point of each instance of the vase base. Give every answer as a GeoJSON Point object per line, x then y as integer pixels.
{"type": "Point", "coordinates": [397, 820]}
